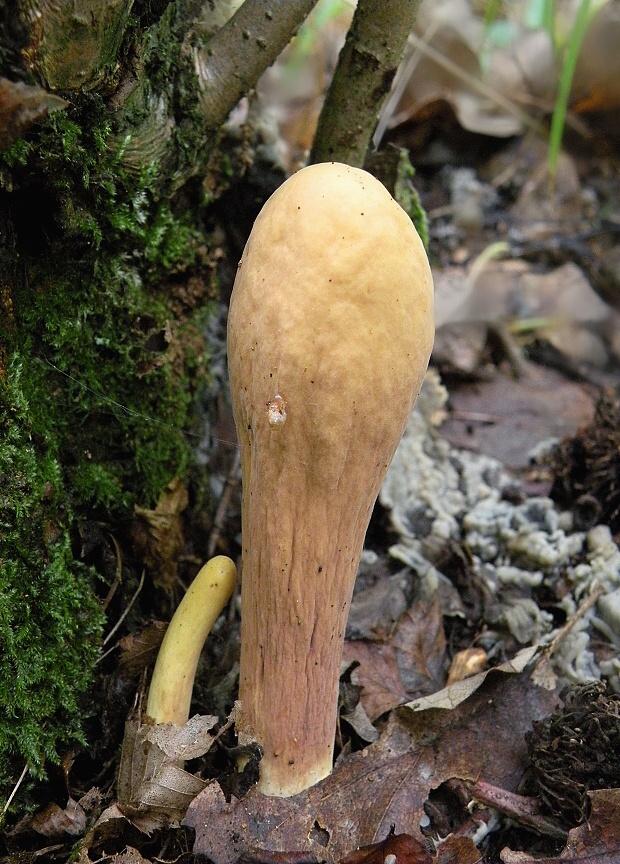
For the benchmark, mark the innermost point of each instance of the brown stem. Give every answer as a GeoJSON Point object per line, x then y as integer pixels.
{"type": "Point", "coordinates": [366, 67]}
{"type": "Point", "coordinates": [232, 61]}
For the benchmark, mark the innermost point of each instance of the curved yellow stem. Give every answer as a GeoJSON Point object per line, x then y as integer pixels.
{"type": "Point", "coordinates": [170, 693]}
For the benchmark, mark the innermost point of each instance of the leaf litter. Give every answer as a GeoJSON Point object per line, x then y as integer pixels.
{"type": "Point", "coordinates": [473, 730]}
{"type": "Point", "coordinates": [384, 785]}
{"type": "Point", "coordinates": [486, 570]}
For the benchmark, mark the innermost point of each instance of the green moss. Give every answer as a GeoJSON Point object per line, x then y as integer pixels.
{"type": "Point", "coordinates": [407, 196]}
{"type": "Point", "coordinates": [100, 362]}
{"type": "Point", "coordinates": [50, 622]}
{"type": "Point", "coordinates": [102, 346]}
{"type": "Point", "coordinates": [393, 168]}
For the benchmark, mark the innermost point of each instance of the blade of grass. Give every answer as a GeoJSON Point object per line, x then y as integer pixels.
{"type": "Point", "coordinates": [548, 17]}
{"type": "Point", "coordinates": [558, 120]}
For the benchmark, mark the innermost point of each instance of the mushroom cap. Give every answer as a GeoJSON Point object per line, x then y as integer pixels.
{"type": "Point", "coordinates": [334, 287]}
{"type": "Point", "coordinates": [329, 335]}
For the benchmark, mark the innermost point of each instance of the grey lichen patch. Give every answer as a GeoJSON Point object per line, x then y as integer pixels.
{"type": "Point", "coordinates": [527, 534]}
{"type": "Point", "coordinates": [516, 547]}
{"type": "Point", "coordinates": [429, 479]}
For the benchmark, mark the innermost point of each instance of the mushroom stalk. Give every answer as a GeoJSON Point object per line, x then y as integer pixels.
{"type": "Point", "coordinates": [330, 331]}
{"type": "Point", "coordinates": [170, 693]}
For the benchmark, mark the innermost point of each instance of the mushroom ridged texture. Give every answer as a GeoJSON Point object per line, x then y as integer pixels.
{"type": "Point", "coordinates": [329, 335]}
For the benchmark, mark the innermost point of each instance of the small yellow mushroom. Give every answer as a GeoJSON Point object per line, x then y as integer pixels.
{"type": "Point", "coordinates": [170, 693]}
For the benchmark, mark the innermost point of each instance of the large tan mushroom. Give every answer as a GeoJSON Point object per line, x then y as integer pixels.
{"type": "Point", "coordinates": [329, 335]}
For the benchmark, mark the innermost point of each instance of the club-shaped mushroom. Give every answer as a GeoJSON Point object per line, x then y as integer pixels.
{"type": "Point", "coordinates": [170, 693]}
{"type": "Point", "coordinates": [329, 335]}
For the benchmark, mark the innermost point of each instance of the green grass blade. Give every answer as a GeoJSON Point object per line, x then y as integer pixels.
{"type": "Point", "coordinates": [558, 119]}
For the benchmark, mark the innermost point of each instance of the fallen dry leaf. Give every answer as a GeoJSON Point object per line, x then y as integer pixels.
{"type": "Point", "coordinates": [564, 294]}
{"type": "Point", "coordinates": [459, 349]}
{"type": "Point", "coordinates": [55, 821]}
{"type": "Point", "coordinates": [360, 722]}
{"type": "Point", "coordinates": [153, 787]}
{"type": "Point", "coordinates": [404, 848]}
{"type": "Point", "coordinates": [455, 693]}
{"type": "Point", "coordinates": [378, 676]}
{"type": "Point", "coordinates": [110, 827]}
{"type": "Point", "coordinates": [21, 105]}
{"type": "Point", "coordinates": [376, 609]}
{"type": "Point", "coordinates": [158, 534]}
{"type": "Point", "coordinates": [601, 832]}
{"type": "Point", "coordinates": [420, 645]}
{"type": "Point", "coordinates": [541, 405]}
{"type": "Point", "coordinates": [412, 662]}
{"type": "Point", "coordinates": [384, 785]}
{"type": "Point", "coordinates": [138, 650]}
{"type": "Point", "coordinates": [443, 65]}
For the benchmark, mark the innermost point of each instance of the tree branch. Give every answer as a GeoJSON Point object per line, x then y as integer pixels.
{"type": "Point", "coordinates": [185, 84]}
{"type": "Point", "coordinates": [232, 61]}
{"type": "Point", "coordinates": [368, 61]}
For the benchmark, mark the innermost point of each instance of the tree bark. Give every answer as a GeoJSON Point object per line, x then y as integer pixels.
{"type": "Point", "coordinates": [366, 67]}
{"type": "Point", "coordinates": [204, 79]}
{"type": "Point", "coordinates": [258, 32]}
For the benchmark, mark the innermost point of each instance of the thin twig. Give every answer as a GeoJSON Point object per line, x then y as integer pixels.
{"type": "Point", "coordinates": [127, 610]}
{"type": "Point", "coordinates": [474, 417]}
{"type": "Point", "coordinates": [543, 674]}
{"type": "Point", "coordinates": [570, 623]}
{"type": "Point", "coordinates": [118, 574]}
{"type": "Point", "coordinates": [15, 789]}
{"type": "Point", "coordinates": [366, 68]}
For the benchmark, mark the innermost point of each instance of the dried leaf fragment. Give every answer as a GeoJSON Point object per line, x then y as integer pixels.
{"type": "Point", "coordinates": [454, 694]}
{"type": "Point", "coordinates": [55, 821]}
{"type": "Point", "coordinates": [158, 533]}
{"type": "Point", "coordinates": [22, 105]}
{"type": "Point", "coordinates": [153, 787]}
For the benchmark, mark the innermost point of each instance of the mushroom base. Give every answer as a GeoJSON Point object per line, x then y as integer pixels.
{"type": "Point", "coordinates": [272, 783]}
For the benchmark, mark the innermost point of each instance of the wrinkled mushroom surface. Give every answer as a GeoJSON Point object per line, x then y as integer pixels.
{"type": "Point", "coordinates": [330, 331]}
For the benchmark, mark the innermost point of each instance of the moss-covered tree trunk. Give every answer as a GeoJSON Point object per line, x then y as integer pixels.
{"type": "Point", "coordinates": [110, 112]}
{"type": "Point", "coordinates": [112, 156]}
